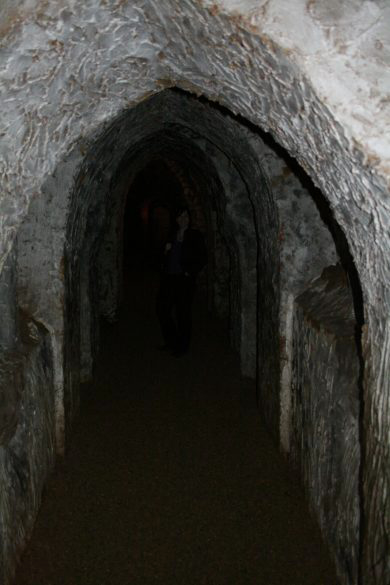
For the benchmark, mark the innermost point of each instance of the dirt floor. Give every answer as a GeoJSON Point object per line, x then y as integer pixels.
{"type": "Point", "coordinates": [170, 476]}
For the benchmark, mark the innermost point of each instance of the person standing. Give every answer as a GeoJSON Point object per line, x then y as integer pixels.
{"type": "Point", "coordinates": [184, 257]}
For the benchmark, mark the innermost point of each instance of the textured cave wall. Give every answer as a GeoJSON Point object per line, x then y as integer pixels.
{"type": "Point", "coordinates": [110, 254]}
{"type": "Point", "coordinates": [41, 267]}
{"type": "Point", "coordinates": [66, 70]}
{"type": "Point", "coordinates": [221, 274]}
{"type": "Point", "coordinates": [27, 426]}
{"type": "Point", "coordinates": [326, 407]}
{"type": "Point", "coordinates": [306, 248]}
{"type": "Point", "coordinates": [85, 218]}
{"type": "Point", "coordinates": [28, 458]}
{"type": "Point", "coordinates": [10, 383]}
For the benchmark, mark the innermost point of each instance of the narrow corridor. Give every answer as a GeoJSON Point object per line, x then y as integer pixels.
{"type": "Point", "coordinates": [170, 476]}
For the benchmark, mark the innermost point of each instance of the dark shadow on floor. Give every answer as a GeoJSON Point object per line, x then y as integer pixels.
{"type": "Point", "coordinates": [170, 477]}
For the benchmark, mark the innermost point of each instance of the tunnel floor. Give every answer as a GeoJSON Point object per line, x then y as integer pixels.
{"type": "Point", "coordinates": [170, 476]}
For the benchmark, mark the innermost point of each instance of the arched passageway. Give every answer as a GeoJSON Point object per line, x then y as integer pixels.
{"type": "Point", "coordinates": [267, 244]}
{"type": "Point", "coordinates": [77, 79]}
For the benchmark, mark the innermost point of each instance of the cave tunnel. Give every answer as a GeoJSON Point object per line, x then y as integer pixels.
{"type": "Point", "coordinates": [263, 454]}
{"type": "Point", "coordinates": [275, 274]}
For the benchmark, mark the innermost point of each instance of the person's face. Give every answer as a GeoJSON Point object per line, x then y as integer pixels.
{"type": "Point", "coordinates": [183, 220]}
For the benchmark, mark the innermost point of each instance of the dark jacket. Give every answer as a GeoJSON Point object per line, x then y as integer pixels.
{"type": "Point", "coordinates": [193, 254]}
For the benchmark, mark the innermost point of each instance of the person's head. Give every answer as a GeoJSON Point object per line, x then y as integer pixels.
{"type": "Point", "coordinates": [182, 217]}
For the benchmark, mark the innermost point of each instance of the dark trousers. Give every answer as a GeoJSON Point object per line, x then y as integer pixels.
{"type": "Point", "coordinates": [174, 302]}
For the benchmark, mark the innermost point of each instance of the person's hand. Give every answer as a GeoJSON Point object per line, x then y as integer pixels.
{"type": "Point", "coordinates": [168, 246]}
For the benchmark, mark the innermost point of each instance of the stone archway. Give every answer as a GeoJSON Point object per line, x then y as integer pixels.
{"type": "Point", "coordinates": [224, 149]}
{"type": "Point", "coordinates": [214, 138]}
{"type": "Point", "coordinates": [70, 74]}
{"type": "Point", "coordinates": [105, 189]}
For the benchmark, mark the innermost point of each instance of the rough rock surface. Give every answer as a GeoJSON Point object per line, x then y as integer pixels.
{"type": "Point", "coordinates": [326, 390]}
